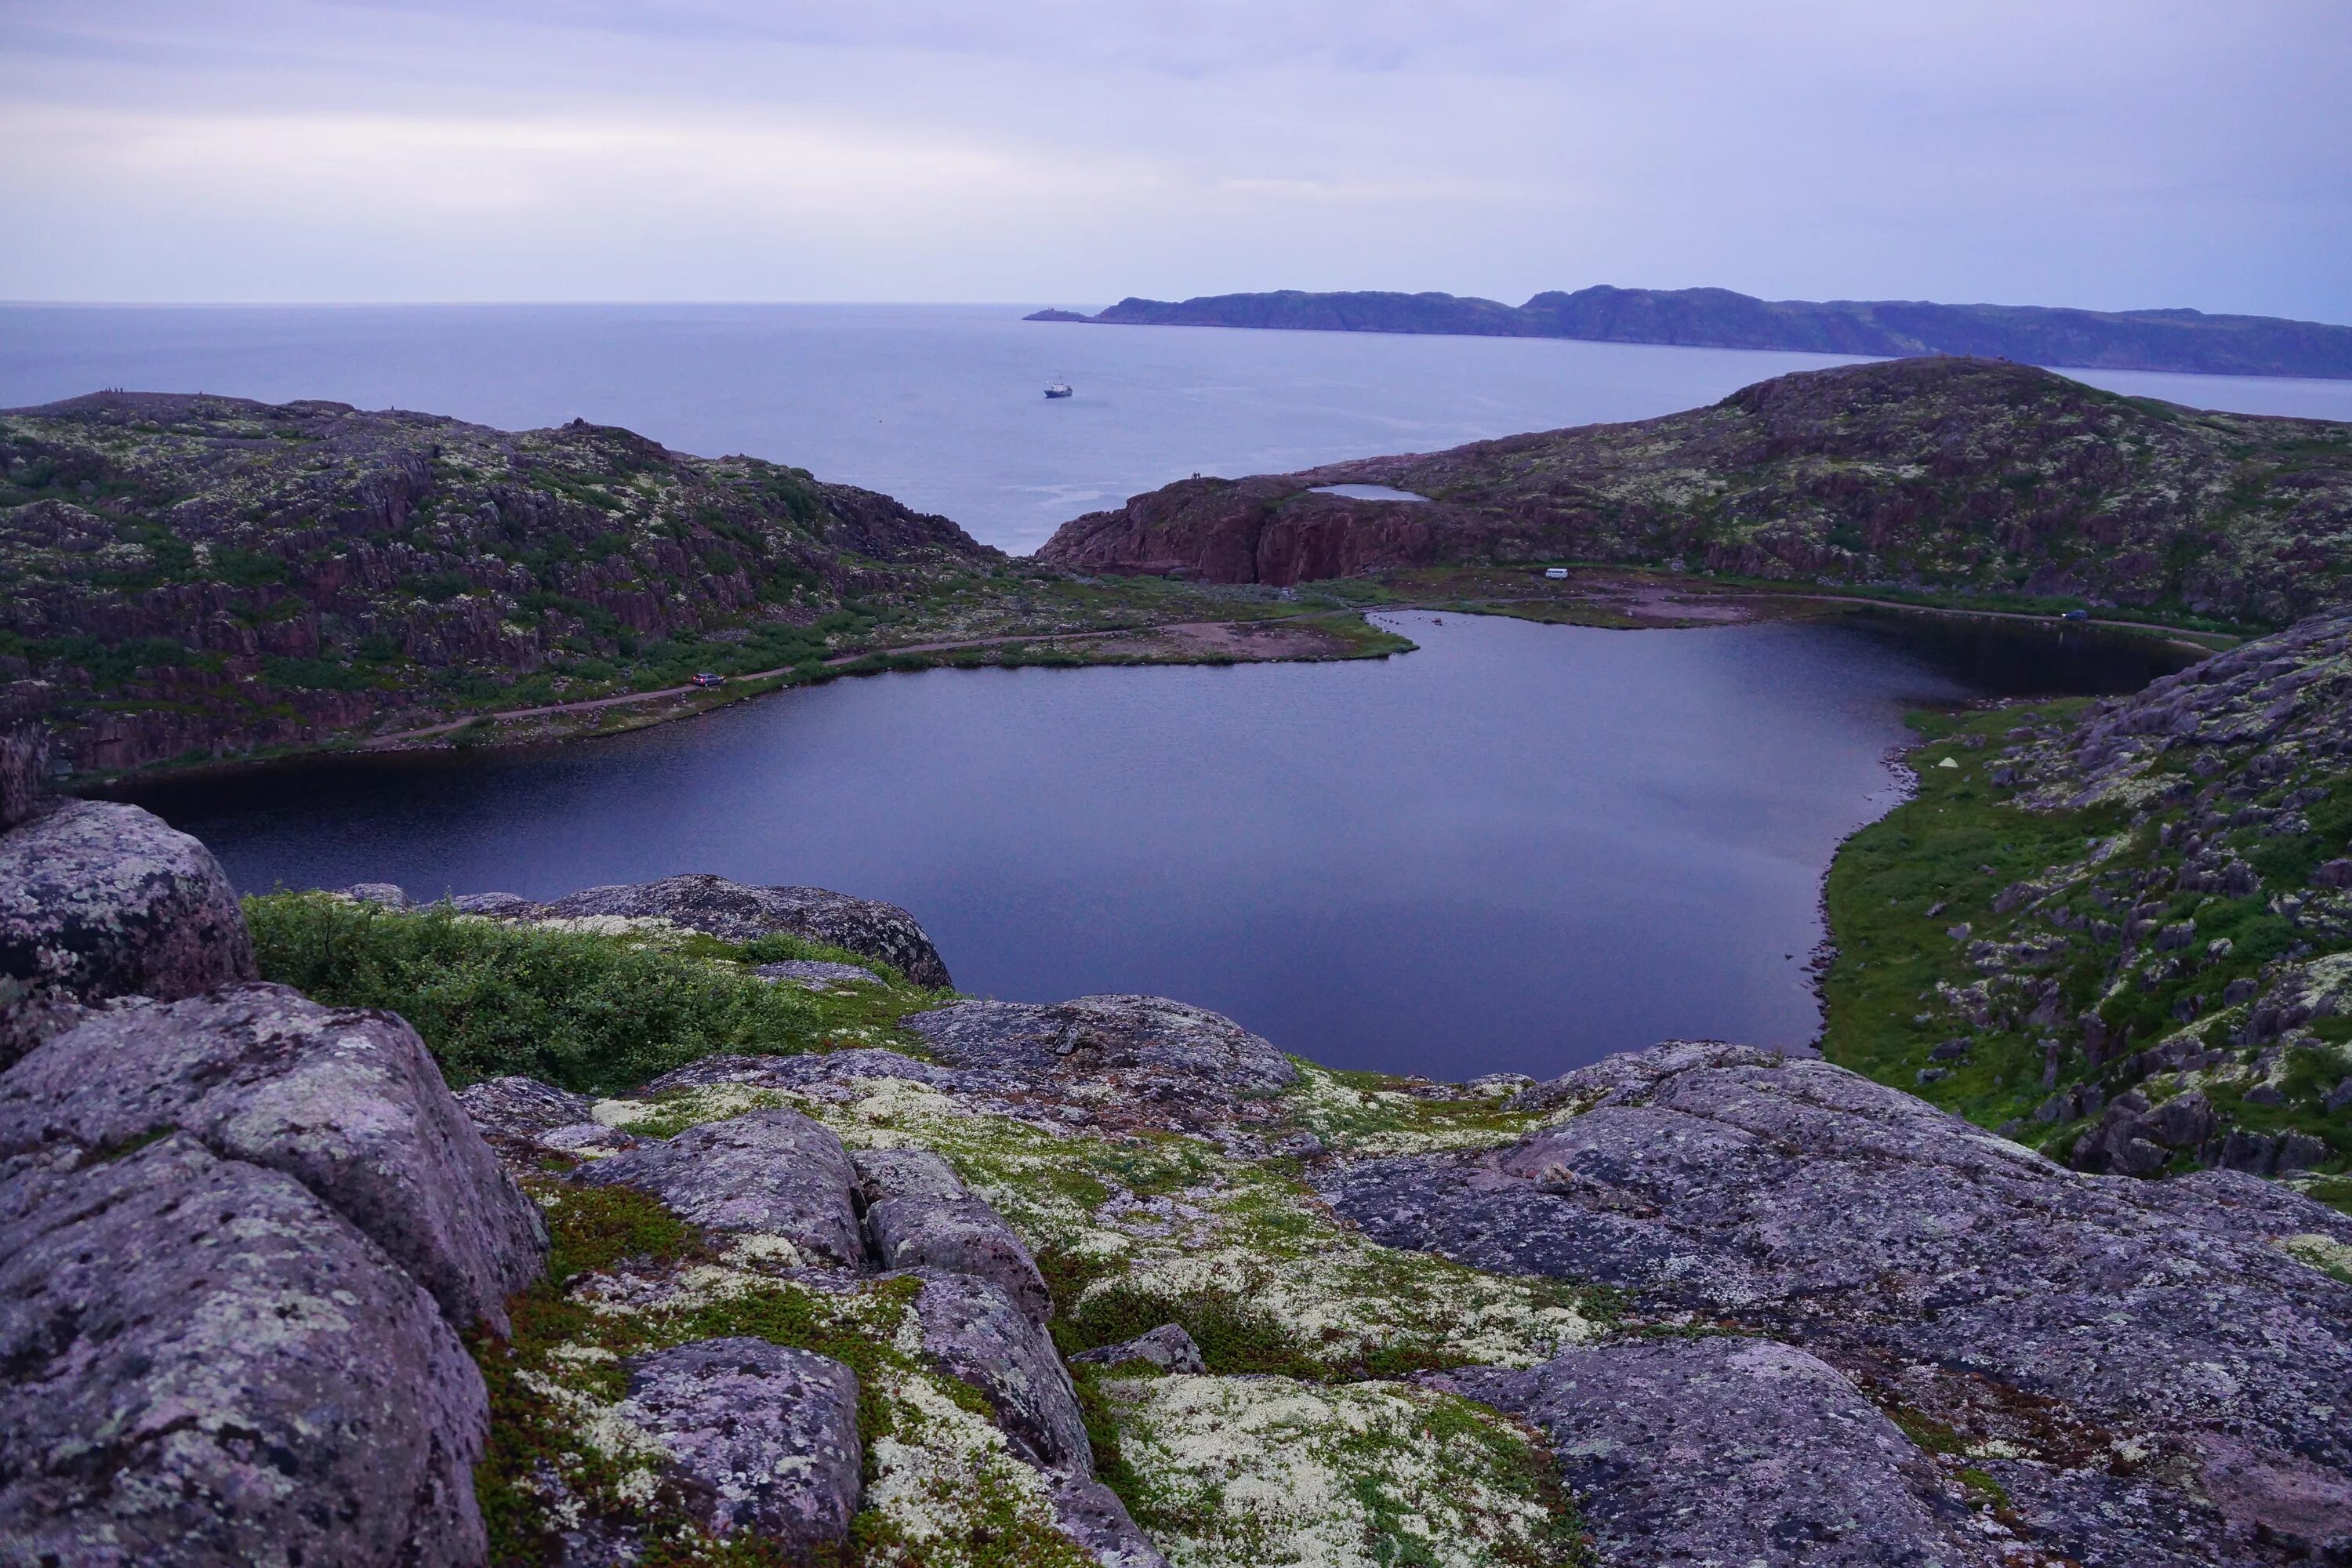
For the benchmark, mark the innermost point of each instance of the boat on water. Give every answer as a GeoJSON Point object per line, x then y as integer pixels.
{"type": "Point", "coordinates": [1060, 389]}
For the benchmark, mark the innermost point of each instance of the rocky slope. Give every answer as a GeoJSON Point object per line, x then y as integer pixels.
{"type": "Point", "coordinates": [208, 574]}
{"type": "Point", "coordinates": [1111, 1281]}
{"type": "Point", "coordinates": [2124, 928]}
{"type": "Point", "coordinates": [1942, 473]}
{"type": "Point", "coordinates": [1718, 318]}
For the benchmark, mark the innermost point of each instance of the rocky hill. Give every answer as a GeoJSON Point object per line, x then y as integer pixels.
{"type": "Point", "coordinates": [647, 1227]}
{"type": "Point", "coordinates": [208, 574]}
{"type": "Point", "coordinates": [2122, 931]}
{"type": "Point", "coordinates": [1718, 318]}
{"type": "Point", "coordinates": [1952, 474]}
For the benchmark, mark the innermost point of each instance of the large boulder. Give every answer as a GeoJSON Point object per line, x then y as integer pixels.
{"type": "Point", "coordinates": [972, 1330]}
{"type": "Point", "coordinates": [920, 1214]}
{"type": "Point", "coordinates": [346, 1101]}
{"type": "Point", "coordinates": [762, 1441]}
{"type": "Point", "coordinates": [99, 900]}
{"type": "Point", "coordinates": [204, 1364]}
{"type": "Point", "coordinates": [733, 911]}
{"type": "Point", "coordinates": [2009, 1297]}
{"type": "Point", "coordinates": [1731, 1450]}
{"type": "Point", "coordinates": [773, 1174]}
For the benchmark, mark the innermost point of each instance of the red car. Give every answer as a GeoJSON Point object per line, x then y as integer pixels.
{"type": "Point", "coordinates": [706, 679]}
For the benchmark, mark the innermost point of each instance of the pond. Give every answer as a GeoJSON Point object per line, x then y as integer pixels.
{"type": "Point", "coordinates": [1518, 849]}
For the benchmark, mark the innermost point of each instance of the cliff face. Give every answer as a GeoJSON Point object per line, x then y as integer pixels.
{"type": "Point", "coordinates": [1718, 318]}
{"type": "Point", "coordinates": [212, 573]}
{"type": "Point", "coordinates": [1946, 472]}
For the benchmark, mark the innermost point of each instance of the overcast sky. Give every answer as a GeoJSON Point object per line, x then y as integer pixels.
{"type": "Point", "coordinates": [2110, 153]}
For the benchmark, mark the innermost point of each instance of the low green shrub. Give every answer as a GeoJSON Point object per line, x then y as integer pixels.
{"type": "Point", "coordinates": [587, 1011]}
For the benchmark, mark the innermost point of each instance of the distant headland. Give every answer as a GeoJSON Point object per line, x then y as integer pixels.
{"type": "Point", "coordinates": [2176, 339]}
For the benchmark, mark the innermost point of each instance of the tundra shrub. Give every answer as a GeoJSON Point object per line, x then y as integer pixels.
{"type": "Point", "coordinates": [593, 1014]}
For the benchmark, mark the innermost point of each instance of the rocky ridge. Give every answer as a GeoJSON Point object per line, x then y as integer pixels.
{"type": "Point", "coordinates": [1955, 474]}
{"type": "Point", "coordinates": [1110, 1281]}
{"type": "Point", "coordinates": [212, 575]}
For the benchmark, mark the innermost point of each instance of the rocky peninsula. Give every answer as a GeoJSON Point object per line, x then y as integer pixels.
{"type": "Point", "coordinates": [1957, 475]}
{"type": "Point", "coordinates": [688, 1222]}
{"type": "Point", "coordinates": [1718, 318]}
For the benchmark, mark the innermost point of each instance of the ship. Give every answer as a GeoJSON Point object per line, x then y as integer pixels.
{"type": "Point", "coordinates": [1060, 389]}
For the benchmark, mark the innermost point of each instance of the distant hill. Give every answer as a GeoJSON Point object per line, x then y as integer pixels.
{"type": "Point", "coordinates": [1962, 474]}
{"type": "Point", "coordinates": [1718, 318]}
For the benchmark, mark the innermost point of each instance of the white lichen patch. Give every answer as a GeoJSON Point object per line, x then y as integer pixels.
{"type": "Point", "coordinates": [2324, 1253]}
{"type": "Point", "coordinates": [1247, 1472]}
{"type": "Point", "coordinates": [942, 1469]}
{"type": "Point", "coordinates": [639, 930]}
{"type": "Point", "coordinates": [1364, 1114]}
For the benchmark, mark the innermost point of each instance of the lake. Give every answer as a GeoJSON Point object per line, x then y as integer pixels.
{"type": "Point", "coordinates": [1518, 849]}
{"type": "Point", "coordinates": [942, 405]}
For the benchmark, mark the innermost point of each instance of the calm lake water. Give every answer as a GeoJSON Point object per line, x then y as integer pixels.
{"type": "Point", "coordinates": [940, 405]}
{"type": "Point", "coordinates": [1519, 848]}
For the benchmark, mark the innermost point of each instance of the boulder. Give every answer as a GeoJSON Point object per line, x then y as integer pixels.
{"type": "Point", "coordinates": [735, 912]}
{"type": "Point", "coordinates": [1091, 1514]}
{"type": "Point", "coordinates": [99, 900]}
{"type": "Point", "coordinates": [524, 1108]}
{"type": "Point", "coordinates": [1167, 1347]}
{"type": "Point", "coordinates": [1729, 1450]}
{"type": "Point", "coordinates": [972, 1330]}
{"type": "Point", "coordinates": [206, 1366]}
{"type": "Point", "coordinates": [1155, 1047]}
{"type": "Point", "coordinates": [1798, 1199]}
{"type": "Point", "coordinates": [772, 1174]}
{"type": "Point", "coordinates": [762, 1441]}
{"type": "Point", "coordinates": [918, 1215]}
{"type": "Point", "coordinates": [348, 1102]}
{"type": "Point", "coordinates": [23, 772]}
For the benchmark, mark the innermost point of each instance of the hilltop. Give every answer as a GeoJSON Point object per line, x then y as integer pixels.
{"type": "Point", "coordinates": [1952, 474]}
{"type": "Point", "coordinates": [2179, 340]}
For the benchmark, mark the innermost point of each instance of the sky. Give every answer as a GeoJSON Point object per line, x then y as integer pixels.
{"type": "Point", "coordinates": [2105, 153]}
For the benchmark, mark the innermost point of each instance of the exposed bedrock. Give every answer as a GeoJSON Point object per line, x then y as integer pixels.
{"type": "Point", "coordinates": [973, 1331]}
{"type": "Point", "coordinates": [773, 1174]}
{"type": "Point", "coordinates": [1732, 1450]}
{"type": "Point", "coordinates": [97, 900]}
{"type": "Point", "coordinates": [1157, 1048]}
{"type": "Point", "coordinates": [346, 1101]}
{"type": "Point", "coordinates": [919, 1216]}
{"type": "Point", "coordinates": [202, 1363]}
{"type": "Point", "coordinates": [2182, 1331]}
{"type": "Point", "coordinates": [733, 911]}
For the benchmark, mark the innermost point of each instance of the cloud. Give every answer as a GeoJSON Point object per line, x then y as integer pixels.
{"type": "Point", "coordinates": [2107, 152]}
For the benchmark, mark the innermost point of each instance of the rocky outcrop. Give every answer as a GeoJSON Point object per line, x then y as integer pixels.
{"type": "Point", "coordinates": [1167, 1347]}
{"type": "Point", "coordinates": [974, 1331]}
{"type": "Point", "coordinates": [211, 574]}
{"type": "Point", "coordinates": [99, 900]}
{"type": "Point", "coordinates": [733, 911]}
{"type": "Point", "coordinates": [1951, 473]}
{"type": "Point", "coordinates": [1733, 1450]}
{"type": "Point", "coordinates": [762, 1441]}
{"type": "Point", "coordinates": [771, 1175]}
{"type": "Point", "coordinates": [919, 1216]}
{"type": "Point", "coordinates": [202, 1363]}
{"type": "Point", "coordinates": [1155, 1047]}
{"type": "Point", "coordinates": [345, 1101]}
{"type": "Point", "coordinates": [2037, 1314]}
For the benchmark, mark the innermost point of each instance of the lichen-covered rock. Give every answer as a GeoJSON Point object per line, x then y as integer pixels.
{"type": "Point", "coordinates": [1091, 1514]}
{"type": "Point", "coordinates": [772, 1174]}
{"type": "Point", "coordinates": [918, 1215]}
{"type": "Point", "coordinates": [1802, 1199]}
{"type": "Point", "coordinates": [733, 911]}
{"type": "Point", "coordinates": [346, 1101]}
{"type": "Point", "coordinates": [762, 1441]}
{"type": "Point", "coordinates": [1154, 1046]}
{"type": "Point", "coordinates": [99, 900]}
{"type": "Point", "coordinates": [23, 770]}
{"type": "Point", "coordinates": [387, 895]}
{"type": "Point", "coordinates": [516, 1106]}
{"type": "Point", "coordinates": [204, 1364]}
{"type": "Point", "coordinates": [973, 1331]}
{"type": "Point", "coordinates": [1167, 1347]}
{"type": "Point", "coordinates": [1731, 1450]}
{"type": "Point", "coordinates": [816, 974]}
